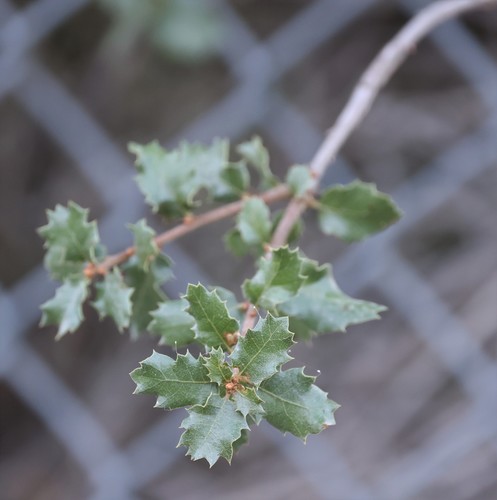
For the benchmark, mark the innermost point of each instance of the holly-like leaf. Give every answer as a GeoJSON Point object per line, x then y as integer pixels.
{"type": "Point", "coordinates": [213, 321]}
{"type": "Point", "coordinates": [172, 323]}
{"type": "Point", "coordinates": [211, 167]}
{"type": "Point", "coordinates": [170, 180]}
{"type": "Point", "coordinates": [243, 439]}
{"type": "Point", "coordinates": [234, 243]}
{"type": "Point", "coordinates": [60, 267]}
{"type": "Point", "coordinates": [176, 383]}
{"type": "Point", "coordinates": [219, 371]}
{"type": "Point", "coordinates": [299, 179]}
{"type": "Point", "coordinates": [237, 177]}
{"type": "Point", "coordinates": [294, 404]}
{"type": "Point", "coordinates": [165, 184]}
{"type": "Point", "coordinates": [355, 211]}
{"type": "Point", "coordinates": [114, 299]}
{"type": "Point", "coordinates": [147, 293]}
{"type": "Point", "coordinates": [277, 280]}
{"type": "Point", "coordinates": [65, 309]}
{"type": "Point", "coordinates": [254, 222]}
{"type": "Point", "coordinates": [257, 155]}
{"type": "Point", "coordinates": [249, 404]}
{"type": "Point", "coordinates": [321, 307]}
{"type": "Point", "coordinates": [211, 429]}
{"type": "Point", "coordinates": [70, 240]}
{"type": "Point", "coordinates": [235, 309]}
{"type": "Point", "coordinates": [263, 350]}
{"type": "Point", "coordinates": [146, 248]}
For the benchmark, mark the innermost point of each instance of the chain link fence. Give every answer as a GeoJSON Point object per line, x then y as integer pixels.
{"type": "Point", "coordinates": [418, 389]}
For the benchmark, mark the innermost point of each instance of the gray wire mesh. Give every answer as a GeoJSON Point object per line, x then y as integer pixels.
{"type": "Point", "coordinates": [325, 467]}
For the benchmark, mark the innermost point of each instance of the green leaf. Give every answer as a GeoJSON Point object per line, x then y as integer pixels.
{"type": "Point", "coordinates": [187, 31]}
{"type": "Point", "coordinates": [70, 240]}
{"type": "Point", "coordinates": [114, 299]}
{"type": "Point", "coordinates": [277, 280]}
{"type": "Point", "coordinates": [355, 211]}
{"type": "Point", "coordinates": [236, 175]}
{"type": "Point", "coordinates": [321, 307]}
{"type": "Point", "coordinates": [146, 248]}
{"type": "Point", "coordinates": [263, 350]}
{"type": "Point", "coordinates": [249, 404]}
{"type": "Point", "coordinates": [235, 244]}
{"type": "Point", "coordinates": [65, 309]}
{"type": "Point", "coordinates": [299, 180]}
{"type": "Point", "coordinates": [235, 308]}
{"type": "Point", "coordinates": [170, 180]}
{"type": "Point", "coordinates": [209, 164]}
{"type": "Point", "coordinates": [172, 323]}
{"type": "Point", "coordinates": [256, 154]}
{"type": "Point", "coordinates": [293, 404]}
{"type": "Point", "coordinates": [211, 430]}
{"type": "Point", "coordinates": [60, 267]}
{"type": "Point", "coordinates": [254, 222]}
{"type": "Point", "coordinates": [213, 321]}
{"type": "Point", "coordinates": [164, 182]}
{"type": "Point", "coordinates": [176, 383]}
{"type": "Point", "coordinates": [243, 439]}
{"type": "Point", "coordinates": [219, 371]}
{"type": "Point", "coordinates": [147, 292]}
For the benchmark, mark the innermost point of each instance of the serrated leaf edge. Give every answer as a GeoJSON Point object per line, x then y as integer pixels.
{"type": "Point", "coordinates": [313, 378]}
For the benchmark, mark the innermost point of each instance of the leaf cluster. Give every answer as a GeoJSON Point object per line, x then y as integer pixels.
{"type": "Point", "coordinates": [225, 392]}
{"type": "Point", "coordinates": [238, 380]}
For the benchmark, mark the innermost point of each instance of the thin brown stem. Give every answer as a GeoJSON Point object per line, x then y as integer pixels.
{"type": "Point", "coordinates": [375, 77]}
{"type": "Point", "coordinates": [249, 319]}
{"type": "Point", "coordinates": [189, 224]}
{"type": "Point", "coordinates": [377, 74]}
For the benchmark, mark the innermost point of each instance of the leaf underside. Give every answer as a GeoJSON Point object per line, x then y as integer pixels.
{"type": "Point", "coordinates": [113, 299]}
{"type": "Point", "coordinates": [66, 308]}
{"type": "Point", "coordinates": [70, 241]}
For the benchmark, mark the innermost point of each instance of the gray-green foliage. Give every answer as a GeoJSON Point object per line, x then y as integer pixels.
{"type": "Point", "coordinates": [186, 30]}
{"type": "Point", "coordinates": [113, 298]}
{"type": "Point", "coordinates": [355, 211]}
{"type": "Point", "coordinates": [172, 323]}
{"type": "Point", "coordinates": [65, 309]}
{"type": "Point", "coordinates": [225, 392]}
{"type": "Point", "coordinates": [70, 241]}
{"type": "Point", "coordinates": [239, 379]}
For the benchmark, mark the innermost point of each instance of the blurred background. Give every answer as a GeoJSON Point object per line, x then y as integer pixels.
{"type": "Point", "coordinates": [80, 78]}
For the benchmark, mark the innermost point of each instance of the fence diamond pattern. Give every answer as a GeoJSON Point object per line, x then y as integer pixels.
{"type": "Point", "coordinates": [122, 470]}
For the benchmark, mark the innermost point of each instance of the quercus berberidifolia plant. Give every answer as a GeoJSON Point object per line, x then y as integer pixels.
{"type": "Point", "coordinates": [240, 377]}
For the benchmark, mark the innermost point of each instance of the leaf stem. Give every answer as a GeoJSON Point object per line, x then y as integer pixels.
{"type": "Point", "coordinates": [189, 224]}
{"type": "Point", "coordinates": [248, 320]}
{"type": "Point", "coordinates": [374, 78]}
